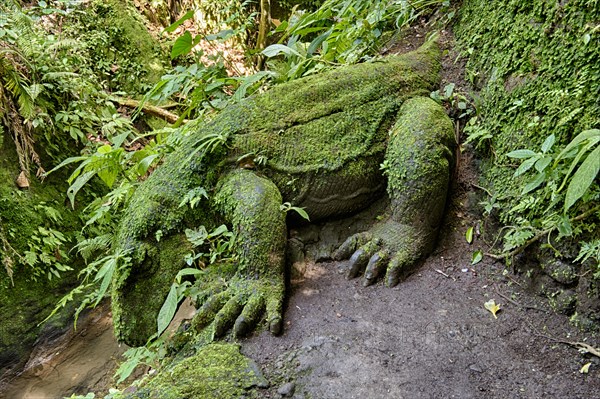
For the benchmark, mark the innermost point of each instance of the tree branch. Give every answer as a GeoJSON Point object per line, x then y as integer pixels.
{"type": "Point", "coordinates": [149, 109]}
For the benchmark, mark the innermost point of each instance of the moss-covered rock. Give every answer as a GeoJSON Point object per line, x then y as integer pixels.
{"type": "Point", "coordinates": [217, 371]}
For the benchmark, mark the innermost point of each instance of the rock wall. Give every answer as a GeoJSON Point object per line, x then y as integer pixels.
{"type": "Point", "coordinates": [535, 66]}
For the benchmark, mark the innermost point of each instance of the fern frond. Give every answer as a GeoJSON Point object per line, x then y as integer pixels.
{"type": "Point", "coordinates": [87, 248]}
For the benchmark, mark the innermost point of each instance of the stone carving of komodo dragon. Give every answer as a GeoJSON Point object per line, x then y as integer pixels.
{"type": "Point", "coordinates": [332, 143]}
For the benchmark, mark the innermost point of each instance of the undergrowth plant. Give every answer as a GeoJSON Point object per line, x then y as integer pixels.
{"type": "Point", "coordinates": [339, 32]}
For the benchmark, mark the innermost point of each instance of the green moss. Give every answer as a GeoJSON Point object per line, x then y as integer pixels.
{"type": "Point", "coordinates": [121, 50]}
{"type": "Point", "coordinates": [216, 371]}
{"type": "Point", "coordinates": [24, 304]}
{"type": "Point", "coordinates": [537, 65]}
{"type": "Point", "coordinates": [420, 159]}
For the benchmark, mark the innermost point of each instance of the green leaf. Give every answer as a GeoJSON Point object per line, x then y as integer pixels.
{"type": "Point", "coordinates": [469, 235]}
{"type": "Point", "coordinates": [188, 271]}
{"type": "Point", "coordinates": [314, 45]}
{"type": "Point", "coordinates": [586, 38]}
{"type": "Point", "coordinates": [583, 178]}
{"type": "Point", "coordinates": [76, 186]}
{"type": "Point", "coordinates": [476, 257]}
{"type": "Point", "coordinates": [144, 164]}
{"type": "Point", "coordinates": [276, 49]}
{"type": "Point", "coordinates": [535, 183]}
{"type": "Point", "coordinates": [592, 141]}
{"type": "Point", "coordinates": [525, 166]}
{"type": "Point", "coordinates": [542, 163]}
{"type": "Point", "coordinates": [218, 231]}
{"type": "Point", "coordinates": [521, 154]}
{"type": "Point", "coordinates": [586, 134]}
{"type": "Point", "coordinates": [182, 46]}
{"type": "Point", "coordinates": [301, 212]}
{"type": "Point", "coordinates": [168, 309]}
{"type": "Point", "coordinates": [171, 28]}
{"type": "Point", "coordinates": [548, 143]}
{"type": "Point", "coordinates": [564, 226]}
{"type": "Point", "coordinates": [110, 266]}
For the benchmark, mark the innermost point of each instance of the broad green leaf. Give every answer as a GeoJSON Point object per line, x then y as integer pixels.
{"type": "Point", "coordinates": [144, 164]}
{"type": "Point", "coordinates": [492, 307]}
{"type": "Point", "coordinates": [76, 186]}
{"type": "Point", "coordinates": [105, 149]}
{"type": "Point", "coordinates": [583, 178]}
{"type": "Point", "coordinates": [168, 309]}
{"type": "Point", "coordinates": [469, 235]}
{"type": "Point", "coordinates": [535, 183]}
{"type": "Point", "coordinates": [188, 271]}
{"type": "Point", "coordinates": [548, 143]}
{"type": "Point", "coordinates": [521, 154]}
{"type": "Point", "coordinates": [182, 46]}
{"type": "Point", "coordinates": [586, 134]}
{"type": "Point", "coordinates": [592, 141]}
{"type": "Point", "coordinates": [301, 212]}
{"type": "Point", "coordinates": [276, 49]}
{"type": "Point", "coordinates": [171, 28]}
{"type": "Point", "coordinates": [525, 166]}
{"type": "Point", "coordinates": [316, 43]}
{"type": "Point", "coordinates": [542, 163]}
{"type": "Point", "coordinates": [476, 257]}
{"type": "Point", "coordinates": [218, 231]}
{"type": "Point", "coordinates": [66, 162]}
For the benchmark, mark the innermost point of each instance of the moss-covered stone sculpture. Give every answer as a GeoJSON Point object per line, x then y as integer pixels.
{"type": "Point", "coordinates": [325, 143]}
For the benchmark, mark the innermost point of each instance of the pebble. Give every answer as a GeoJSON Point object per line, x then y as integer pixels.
{"type": "Point", "coordinates": [287, 389]}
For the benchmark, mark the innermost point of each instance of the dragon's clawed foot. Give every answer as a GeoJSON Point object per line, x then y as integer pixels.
{"type": "Point", "coordinates": [379, 253]}
{"type": "Point", "coordinates": [241, 306]}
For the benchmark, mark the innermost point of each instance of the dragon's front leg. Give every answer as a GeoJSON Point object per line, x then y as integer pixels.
{"type": "Point", "coordinates": [252, 205]}
{"type": "Point", "coordinates": [419, 161]}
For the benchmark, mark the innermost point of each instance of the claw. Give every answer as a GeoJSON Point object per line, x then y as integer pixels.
{"type": "Point", "coordinates": [358, 261]}
{"type": "Point", "coordinates": [351, 244]}
{"type": "Point", "coordinates": [226, 317]}
{"type": "Point", "coordinates": [376, 265]}
{"type": "Point", "coordinates": [250, 316]}
{"type": "Point", "coordinates": [206, 314]}
{"type": "Point", "coordinates": [361, 257]}
{"type": "Point", "coordinates": [274, 311]}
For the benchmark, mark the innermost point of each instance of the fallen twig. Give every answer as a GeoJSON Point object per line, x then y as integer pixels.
{"type": "Point", "coordinates": [444, 274]}
{"type": "Point", "coordinates": [517, 304]}
{"type": "Point", "coordinates": [149, 109]}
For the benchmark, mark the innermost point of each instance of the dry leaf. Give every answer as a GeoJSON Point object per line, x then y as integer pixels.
{"type": "Point", "coordinates": [22, 180]}
{"type": "Point", "coordinates": [492, 307]}
{"type": "Point", "coordinates": [585, 368]}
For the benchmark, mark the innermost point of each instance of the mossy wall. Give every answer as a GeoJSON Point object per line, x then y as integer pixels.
{"type": "Point", "coordinates": [536, 63]}
{"type": "Point", "coordinates": [24, 304]}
